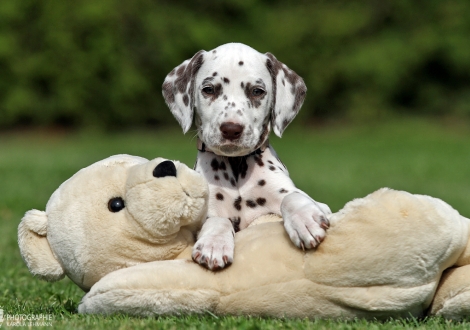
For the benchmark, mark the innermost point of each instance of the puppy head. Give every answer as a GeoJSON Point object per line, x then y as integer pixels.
{"type": "Point", "coordinates": [237, 94]}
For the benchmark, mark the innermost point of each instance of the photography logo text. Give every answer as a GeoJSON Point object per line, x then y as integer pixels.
{"type": "Point", "coordinates": [25, 320]}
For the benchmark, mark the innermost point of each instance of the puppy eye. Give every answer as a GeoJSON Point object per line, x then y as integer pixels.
{"type": "Point", "coordinates": [257, 92]}
{"type": "Point", "coordinates": [208, 90]}
{"type": "Point", "coordinates": [116, 204]}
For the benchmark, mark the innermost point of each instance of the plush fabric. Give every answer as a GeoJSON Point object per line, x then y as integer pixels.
{"type": "Point", "coordinates": [78, 236]}
{"type": "Point", "coordinates": [452, 299]}
{"type": "Point", "coordinates": [384, 255]}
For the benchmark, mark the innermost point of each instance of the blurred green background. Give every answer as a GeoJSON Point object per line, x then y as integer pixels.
{"type": "Point", "coordinates": [379, 73]}
{"type": "Point", "coordinates": [102, 63]}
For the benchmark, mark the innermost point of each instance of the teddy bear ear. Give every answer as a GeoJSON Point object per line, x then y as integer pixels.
{"type": "Point", "coordinates": [35, 249]}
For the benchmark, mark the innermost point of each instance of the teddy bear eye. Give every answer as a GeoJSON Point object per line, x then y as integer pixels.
{"type": "Point", "coordinates": [116, 204]}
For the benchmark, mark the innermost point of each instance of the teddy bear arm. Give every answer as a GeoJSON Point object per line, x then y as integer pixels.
{"type": "Point", "coordinates": [154, 288]}
{"type": "Point", "coordinates": [35, 249]}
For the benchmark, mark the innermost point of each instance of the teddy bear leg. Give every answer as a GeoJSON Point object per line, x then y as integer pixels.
{"type": "Point", "coordinates": [452, 298]}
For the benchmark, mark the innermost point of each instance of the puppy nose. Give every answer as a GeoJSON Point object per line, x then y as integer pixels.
{"type": "Point", "coordinates": [165, 168]}
{"type": "Point", "coordinates": [231, 131]}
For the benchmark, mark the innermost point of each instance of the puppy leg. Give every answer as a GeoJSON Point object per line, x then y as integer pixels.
{"type": "Point", "coordinates": [215, 244]}
{"type": "Point", "coordinates": [305, 220]}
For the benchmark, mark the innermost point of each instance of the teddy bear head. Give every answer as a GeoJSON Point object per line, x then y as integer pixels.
{"type": "Point", "coordinates": [118, 212]}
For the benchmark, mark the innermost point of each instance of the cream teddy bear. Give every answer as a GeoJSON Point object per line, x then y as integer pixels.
{"type": "Point", "coordinates": [116, 213]}
{"type": "Point", "coordinates": [126, 217]}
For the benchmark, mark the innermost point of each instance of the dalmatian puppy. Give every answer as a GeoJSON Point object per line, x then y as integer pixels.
{"type": "Point", "coordinates": [236, 95]}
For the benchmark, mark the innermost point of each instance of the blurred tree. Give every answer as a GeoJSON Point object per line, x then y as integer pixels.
{"type": "Point", "coordinates": [102, 63]}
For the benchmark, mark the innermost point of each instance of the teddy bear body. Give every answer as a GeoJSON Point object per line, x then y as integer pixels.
{"type": "Point", "coordinates": [372, 264]}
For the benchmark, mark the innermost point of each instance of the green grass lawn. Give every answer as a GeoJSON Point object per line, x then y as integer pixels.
{"type": "Point", "coordinates": [334, 164]}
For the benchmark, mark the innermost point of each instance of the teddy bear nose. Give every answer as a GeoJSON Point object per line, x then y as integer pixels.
{"type": "Point", "coordinates": [165, 168]}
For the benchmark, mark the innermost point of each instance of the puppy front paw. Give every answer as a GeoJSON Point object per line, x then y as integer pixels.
{"type": "Point", "coordinates": [215, 246]}
{"type": "Point", "coordinates": [214, 253]}
{"type": "Point", "coordinates": [305, 220]}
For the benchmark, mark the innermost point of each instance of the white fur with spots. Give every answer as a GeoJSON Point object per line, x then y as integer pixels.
{"type": "Point", "coordinates": [236, 95]}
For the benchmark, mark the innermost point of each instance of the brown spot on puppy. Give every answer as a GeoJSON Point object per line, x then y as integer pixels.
{"type": "Point", "coordinates": [237, 204]}
{"type": "Point", "coordinates": [239, 166]}
{"type": "Point", "coordinates": [255, 100]}
{"type": "Point", "coordinates": [214, 94]}
{"type": "Point", "coordinates": [258, 161]}
{"type": "Point", "coordinates": [263, 137]}
{"type": "Point", "coordinates": [187, 74]}
{"type": "Point", "coordinates": [250, 203]}
{"type": "Point", "coordinates": [235, 223]}
{"type": "Point", "coordinates": [168, 92]}
{"type": "Point", "coordinates": [180, 70]}
{"type": "Point", "coordinates": [215, 165]}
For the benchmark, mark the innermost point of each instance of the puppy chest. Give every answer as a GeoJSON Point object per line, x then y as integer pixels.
{"type": "Point", "coordinates": [244, 188]}
{"type": "Point", "coordinates": [241, 208]}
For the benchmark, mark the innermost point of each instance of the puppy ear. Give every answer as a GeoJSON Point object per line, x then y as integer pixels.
{"type": "Point", "coordinates": [289, 94]}
{"type": "Point", "coordinates": [178, 89]}
{"type": "Point", "coordinates": [35, 249]}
